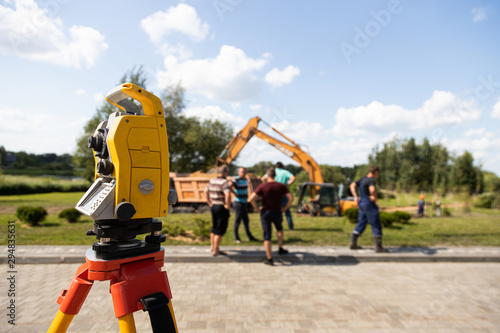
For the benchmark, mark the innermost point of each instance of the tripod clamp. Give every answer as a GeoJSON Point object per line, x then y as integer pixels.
{"type": "Point", "coordinates": [157, 306]}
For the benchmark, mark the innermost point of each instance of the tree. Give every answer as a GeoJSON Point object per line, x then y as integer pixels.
{"type": "Point", "coordinates": [195, 144]}
{"type": "Point", "coordinates": [260, 168]}
{"type": "Point", "coordinates": [491, 182]}
{"type": "Point", "coordinates": [465, 175]}
{"type": "Point", "coordinates": [387, 160]}
{"type": "Point", "coordinates": [3, 156]}
{"type": "Point", "coordinates": [332, 174]}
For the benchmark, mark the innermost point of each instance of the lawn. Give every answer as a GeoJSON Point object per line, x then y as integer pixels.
{"type": "Point", "coordinates": [479, 227]}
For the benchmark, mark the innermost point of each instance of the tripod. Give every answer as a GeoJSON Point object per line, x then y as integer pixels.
{"type": "Point", "coordinates": [135, 283]}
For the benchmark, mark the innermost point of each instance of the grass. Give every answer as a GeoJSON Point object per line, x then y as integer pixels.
{"type": "Point", "coordinates": [411, 199]}
{"type": "Point", "coordinates": [39, 180]}
{"type": "Point", "coordinates": [479, 227]}
{"type": "Point", "coordinates": [54, 199]}
{"type": "Point", "coordinates": [22, 184]}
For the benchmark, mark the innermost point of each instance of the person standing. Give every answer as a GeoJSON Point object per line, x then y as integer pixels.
{"type": "Point", "coordinates": [285, 177]}
{"type": "Point", "coordinates": [438, 207]}
{"type": "Point", "coordinates": [368, 210]}
{"type": "Point", "coordinates": [218, 194]}
{"type": "Point", "coordinates": [421, 206]}
{"type": "Point", "coordinates": [272, 193]}
{"type": "Point", "coordinates": [240, 188]}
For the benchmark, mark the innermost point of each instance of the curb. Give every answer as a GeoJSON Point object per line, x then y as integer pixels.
{"type": "Point", "coordinates": [302, 255]}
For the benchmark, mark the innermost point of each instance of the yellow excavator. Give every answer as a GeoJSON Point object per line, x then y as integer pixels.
{"type": "Point", "coordinates": [315, 198]}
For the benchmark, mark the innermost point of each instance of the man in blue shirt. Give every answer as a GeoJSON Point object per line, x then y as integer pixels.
{"type": "Point", "coordinates": [240, 189]}
{"type": "Point", "coordinates": [368, 210]}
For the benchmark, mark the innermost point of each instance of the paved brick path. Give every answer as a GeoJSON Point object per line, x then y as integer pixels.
{"type": "Point", "coordinates": [251, 297]}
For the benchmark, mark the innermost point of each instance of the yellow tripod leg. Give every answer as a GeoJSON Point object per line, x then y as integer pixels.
{"type": "Point", "coordinates": [60, 323]}
{"type": "Point", "coordinates": [127, 323]}
{"type": "Point", "coordinates": [171, 309]}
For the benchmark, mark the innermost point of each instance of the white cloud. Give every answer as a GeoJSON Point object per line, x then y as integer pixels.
{"type": "Point", "coordinates": [277, 78]}
{"type": "Point", "coordinates": [481, 143]}
{"type": "Point", "coordinates": [80, 92]}
{"type": "Point", "coordinates": [183, 19]}
{"type": "Point", "coordinates": [99, 97]}
{"type": "Point", "coordinates": [255, 107]}
{"type": "Point", "coordinates": [16, 121]}
{"type": "Point", "coordinates": [441, 110]}
{"type": "Point", "coordinates": [34, 33]}
{"type": "Point", "coordinates": [301, 130]}
{"type": "Point", "coordinates": [479, 14]}
{"type": "Point", "coordinates": [40, 132]}
{"type": "Point", "coordinates": [478, 132]}
{"type": "Point", "coordinates": [212, 112]}
{"type": "Point", "coordinates": [229, 77]}
{"type": "Point", "coordinates": [496, 110]}
{"type": "Point", "coordinates": [179, 51]}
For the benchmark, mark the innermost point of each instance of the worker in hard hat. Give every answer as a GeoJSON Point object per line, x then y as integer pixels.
{"type": "Point", "coordinates": [421, 205]}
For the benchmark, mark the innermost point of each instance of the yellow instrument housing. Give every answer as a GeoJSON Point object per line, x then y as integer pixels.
{"type": "Point", "coordinates": [138, 148]}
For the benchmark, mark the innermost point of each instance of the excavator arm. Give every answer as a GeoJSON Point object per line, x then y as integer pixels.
{"type": "Point", "coordinates": [291, 149]}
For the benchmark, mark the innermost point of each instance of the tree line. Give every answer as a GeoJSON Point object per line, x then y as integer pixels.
{"type": "Point", "coordinates": [406, 165]}
{"type": "Point", "coordinates": [37, 164]}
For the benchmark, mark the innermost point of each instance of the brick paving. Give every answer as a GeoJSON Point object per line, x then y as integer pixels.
{"type": "Point", "coordinates": [290, 297]}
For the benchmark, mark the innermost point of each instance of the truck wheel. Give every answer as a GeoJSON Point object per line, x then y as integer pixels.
{"type": "Point", "coordinates": [203, 209]}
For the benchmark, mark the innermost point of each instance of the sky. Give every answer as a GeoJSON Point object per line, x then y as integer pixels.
{"type": "Point", "coordinates": [337, 77]}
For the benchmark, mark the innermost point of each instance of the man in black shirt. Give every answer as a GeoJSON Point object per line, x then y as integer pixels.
{"type": "Point", "coordinates": [368, 210]}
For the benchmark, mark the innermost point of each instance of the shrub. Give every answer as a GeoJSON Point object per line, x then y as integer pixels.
{"type": "Point", "coordinates": [70, 214]}
{"type": "Point", "coordinates": [387, 219]}
{"type": "Point", "coordinates": [352, 214]}
{"type": "Point", "coordinates": [173, 228]}
{"type": "Point", "coordinates": [401, 217]}
{"type": "Point", "coordinates": [203, 228]}
{"type": "Point", "coordinates": [31, 215]}
{"type": "Point", "coordinates": [446, 211]}
{"type": "Point", "coordinates": [486, 200]}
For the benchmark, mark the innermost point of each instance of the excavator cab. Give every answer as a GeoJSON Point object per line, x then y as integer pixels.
{"type": "Point", "coordinates": [318, 199]}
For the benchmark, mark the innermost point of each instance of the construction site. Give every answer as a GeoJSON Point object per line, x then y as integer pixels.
{"type": "Point", "coordinates": [314, 197]}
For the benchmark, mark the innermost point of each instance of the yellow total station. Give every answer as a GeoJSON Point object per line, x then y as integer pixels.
{"type": "Point", "coordinates": [131, 158]}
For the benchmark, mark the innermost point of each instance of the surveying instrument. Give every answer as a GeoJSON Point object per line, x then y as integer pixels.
{"type": "Point", "coordinates": [131, 187]}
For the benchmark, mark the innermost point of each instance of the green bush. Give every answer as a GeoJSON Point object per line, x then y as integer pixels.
{"type": "Point", "coordinates": [401, 217]}
{"type": "Point", "coordinates": [352, 214]}
{"type": "Point", "coordinates": [70, 214]}
{"type": "Point", "coordinates": [387, 219]}
{"type": "Point", "coordinates": [487, 200]}
{"type": "Point", "coordinates": [31, 215]}
{"type": "Point", "coordinates": [203, 228]}
{"type": "Point", "coordinates": [173, 228]}
{"type": "Point", "coordinates": [446, 211]}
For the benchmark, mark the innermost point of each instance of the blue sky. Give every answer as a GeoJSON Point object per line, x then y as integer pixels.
{"type": "Point", "coordinates": [338, 77]}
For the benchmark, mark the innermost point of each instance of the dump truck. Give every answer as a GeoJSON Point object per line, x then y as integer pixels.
{"type": "Point", "coordinates": [190, 189]}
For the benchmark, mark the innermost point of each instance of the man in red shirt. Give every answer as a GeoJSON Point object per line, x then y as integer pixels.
{"type": "Point", "coordinates": [271, 211]}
